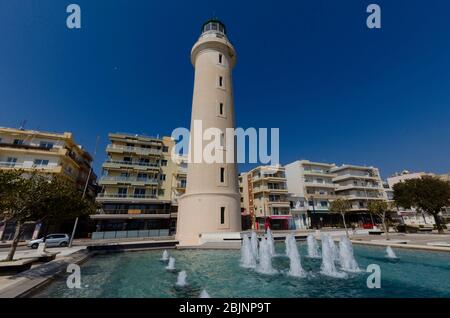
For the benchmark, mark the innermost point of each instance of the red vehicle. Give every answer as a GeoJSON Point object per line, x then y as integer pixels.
{"type": "Point", "coordinates": [367, 226]}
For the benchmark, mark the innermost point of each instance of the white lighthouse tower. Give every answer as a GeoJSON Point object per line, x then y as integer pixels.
{"type": "Point", "coordinates": [211, 203]}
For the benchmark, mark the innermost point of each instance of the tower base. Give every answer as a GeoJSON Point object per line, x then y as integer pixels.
{"type": "Point", "coordinates": [202, 213]}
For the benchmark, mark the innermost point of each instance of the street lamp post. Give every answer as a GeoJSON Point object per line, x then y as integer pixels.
{"type": "Point", "coordinates": [84, 191]}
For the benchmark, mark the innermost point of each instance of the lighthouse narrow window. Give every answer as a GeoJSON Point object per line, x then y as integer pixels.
{"type": "Point", "coordinates": [220, 58]}
{"type": "Point", "coordinates": [222, 215]}
{"type": "Point", "coordinates": [222, 175]}
{"type": "Point", "coordinates": [220, 81]}
{"type": "Point", "coordinates": [221, 108]}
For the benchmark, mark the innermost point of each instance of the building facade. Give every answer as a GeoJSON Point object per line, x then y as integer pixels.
{"type": "Point", "coordinates": [138, 186]}
{"type": "Point", "coordinates": [265, 197]}
{"type": "Point", "coordinates": [50, 154]}
{"type": "Point", "coordinates": [211, 203]}
{"type": "Point", "coordinates": [311, 190]}
{"type": "Point", "coordinates": [359, 185]}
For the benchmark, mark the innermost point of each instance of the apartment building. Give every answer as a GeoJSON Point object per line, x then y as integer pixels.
{"type": "Point", "coordinates": [49, 154]}
{"type": "Point", "coordinates": [311, 189]}
{"type": "Point", "coordinates": [359, 185]}
{"type": "Point", "coordinates": [140, 185]}
{"type": "Point", "coordinates": [265, 197]}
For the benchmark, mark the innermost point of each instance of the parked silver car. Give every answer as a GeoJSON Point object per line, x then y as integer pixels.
{"type": "Point", "coordinates": [52, 240]}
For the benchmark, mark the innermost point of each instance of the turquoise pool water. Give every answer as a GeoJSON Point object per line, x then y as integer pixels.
{"type": "Point", "coordinates": [142, 274]}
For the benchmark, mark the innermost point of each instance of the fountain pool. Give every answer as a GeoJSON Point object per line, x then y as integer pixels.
{"type": "Point", "coordinates": [142, 274]}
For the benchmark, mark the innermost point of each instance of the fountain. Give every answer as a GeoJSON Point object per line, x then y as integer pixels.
{"type": "Point", "coordinates": [296, 269]}
{"type": "Point", "coordinates": [165, 256]}
{"type": "Point", "coordinates": [328, 267]}
{"type": "Point", "coordinates": [265, 259]}
{"type": "Point", "coordinates": [247, 256]}
{"type": "Point", "coordinates": [346, 257]}
{"type": "Point", "coordinates": [333, 247]}
{"type": "Point", "coordinates": [254, 243]}
{"type": "Point", "coordinates": [181, 279]}
{"type": "Point", "coordinates": [390, 252]}
{"type": "Point", "coordinates": [171, 265]}
{"type": "Point", "coordinates": [270, 242]}
{"type": "Point", "coordinates": [313, 248]}
{"type": "Point", "coordinates": [204, 294]}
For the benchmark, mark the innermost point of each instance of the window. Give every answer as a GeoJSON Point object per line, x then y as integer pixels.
{"type": "Point", "coordinates": [139, 192]}
{"type": "Point", "coordinates": [162, 177]}
{"type": "Point", "coordinates": [161, 192]}
{"type": "Point", "coordinates": [124, 174]}
{"type": "Point", "coordinates": [122, 192]}
{"type": "Point", "coordinates": [324, 204]}
{"type": "Point", "coordinates": [18, 142]}
{"type": "Point", "coordinates": [222, 174]}
{"type": "Point", "coordinates": [141, 176]}
{"type": "Point", "coordinates": [127, 159]}
{"type": "Point", "coordinates": [221, 108]}
{"type": "Point", "coordinates": [220, 81]}
{"type": "Point", "coordinates": [40, 162]}
{"type": "Point", "coordinates": [222, 215]}
{"type": "Point", "coordinates": [164, 163]}
{"type": "Point", "coordinates": [46, 144]}
{"type": "Point", "coordinates": [165, 149]}
{"type": "Point", "coordinates": [220, 58]}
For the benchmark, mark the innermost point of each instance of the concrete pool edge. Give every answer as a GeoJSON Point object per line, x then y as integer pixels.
{"type": "Point", "coordinates": [405, 246]}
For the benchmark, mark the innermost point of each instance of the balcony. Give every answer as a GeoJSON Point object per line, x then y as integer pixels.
{"type": "Point", "coordinates": [355, 176]}
{"type": "Point", "coordinates": [113, 164]}
{"type": "Point", "coordinates": [132, 198]}
{"type": "Point", "coordinates": [269, 189]}
{"type": "Point", "coordinates": [30, 166]}
{"type": "Point", "coordinates": [269, 177]}
{"type": "Point", "coordinates": [111, 180]}
{"type": "Point", "coordinates": [112, 148]}
{"type": "Point", "coordinates": [320, 184]}
{"type": "Point", "coordinates": [180, 186]}
{"type": "Point", "coordinates": [319, 173]}
{"type": "Point", "coordinates": [360, 197]}
{"type": "Point", "coordinates": [362, 187]}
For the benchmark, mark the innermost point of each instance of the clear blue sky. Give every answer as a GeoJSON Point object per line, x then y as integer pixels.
{"type": "Point", "coordinates": [338, 91]}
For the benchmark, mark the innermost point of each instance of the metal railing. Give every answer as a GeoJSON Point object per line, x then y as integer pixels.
{"type": "Point", "coordinates": [16, 165]}
{"type": "Point", "coordinates": [129, 234]}
{"type": "Point", "coordinates": [129, 179]}
{"type": "Point", "coordinates": [135, 196]}
{"type": "Point", "coordinates": [140, 150]}
{"type": "Point", "coordinates": [132, 163]}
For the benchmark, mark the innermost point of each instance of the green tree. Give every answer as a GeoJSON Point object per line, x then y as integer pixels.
{"type": "Point", "coordinates": [36, 198]}
{"type": "Point", "coordinates": [429, 194]}
{"type": "Point", "coordinates": [381, 209]}
{"type": "Point", "coordinates": [341, 206]}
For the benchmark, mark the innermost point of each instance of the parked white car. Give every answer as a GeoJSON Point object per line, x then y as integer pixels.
{"type": "Point", "coordinates": [52, 240]}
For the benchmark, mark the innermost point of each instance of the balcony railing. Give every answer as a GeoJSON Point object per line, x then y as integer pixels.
{"type": "Point", "coordinates": [130, 164]}
{"type": "Point", "coordinates": [126, 196]}
{"type": "Point", "coordinates": [320, 184]}
{"type": "Point", "coordinates": [138, 150]}
{"type": "Point", "coordinates": [131, 211]}
{"type": "Point", "coordinates": [16, 165]}
{"type": "Point", "coordinates": [119, 179]}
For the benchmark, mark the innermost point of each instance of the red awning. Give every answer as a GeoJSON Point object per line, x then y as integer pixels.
{"type": "Point", "coordinates": [280, 217]}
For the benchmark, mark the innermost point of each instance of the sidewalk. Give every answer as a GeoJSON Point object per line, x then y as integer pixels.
{"type": "Point", "coordinates": [62, 252]}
